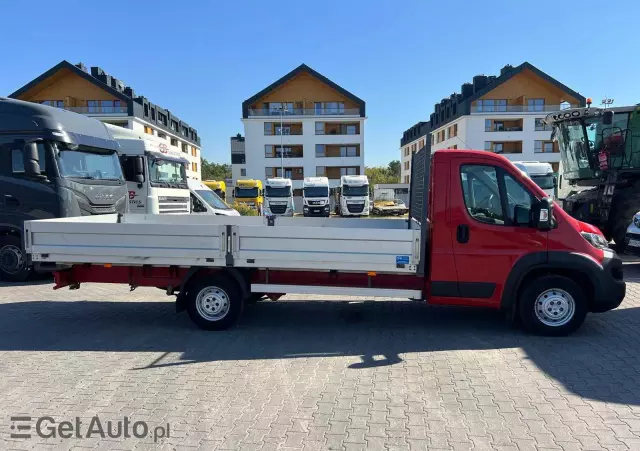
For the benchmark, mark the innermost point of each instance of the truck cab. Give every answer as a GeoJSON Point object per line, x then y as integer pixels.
{"type": "Point", "coordinates": [156, 176]}
{"type": "Point", "coordinates": [542, 174]}
{"type": "Point", "coordinates": [53, 164]}
{"type": "Point", "coordinates": [315, 197]}
{"type": "Point", "coordinates": [249, 193]}
{"type": "Point", "coordinates": [204, 201]}
{"type": "Point", "coordinates": [353, 196]}
{"type": "Point", "coordinates": [278, 197]}
{"type": "Point", "coordinates": [218, 186]}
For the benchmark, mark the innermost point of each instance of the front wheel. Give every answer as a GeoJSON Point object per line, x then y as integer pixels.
{"type": "Point", "coordinates": [553, 306]}
{"type": "Point", "coordinates": [215, 303]}
{"type": "Point", "coordinates": [13, 260]}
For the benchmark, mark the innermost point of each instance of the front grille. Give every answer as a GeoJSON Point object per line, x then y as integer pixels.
{"type": "Point", "coordinates": [355, 208]}
{"type": "Point", "coordinates": [278, 209]}
{"type": "Point", "coordinates": [633, 236]}
{"type": "Point", "coordinates": [173, 208]}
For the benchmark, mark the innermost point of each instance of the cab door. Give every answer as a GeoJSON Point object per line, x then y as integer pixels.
{"type": "Point", "coordinates": [486, 239]}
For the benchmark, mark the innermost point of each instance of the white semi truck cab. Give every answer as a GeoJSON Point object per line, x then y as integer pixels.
{"type": "Point", "coordinates": [278, 197]}
{"type": "Point", "coordinates": [316, 200]}
{"type": "Point", "coordinates": [156, 176]}
{"type": "Point", "coordinates": [353, 196]}
{"type": "Point", "coordinates": [541, 173]}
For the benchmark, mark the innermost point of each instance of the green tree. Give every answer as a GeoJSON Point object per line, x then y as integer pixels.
{"type": "Point", "coordinates": [215, 171]}
{"type": "Point", "coordinates": [394, 170]}
{"type": "Point", "coordinates": [381, 174]}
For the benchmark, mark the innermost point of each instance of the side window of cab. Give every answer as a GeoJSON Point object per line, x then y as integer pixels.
{"type": "Point", "coordinates": [17, 161]}
{"type": "Point", "coordinates": [493, 196]}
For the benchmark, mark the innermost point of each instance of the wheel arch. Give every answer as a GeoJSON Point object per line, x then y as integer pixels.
{"type": "Point", "coordinates": [577, 267]}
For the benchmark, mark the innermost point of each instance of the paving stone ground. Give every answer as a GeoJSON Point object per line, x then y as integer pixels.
{"type": "Point", "coordinates": [315, 373]}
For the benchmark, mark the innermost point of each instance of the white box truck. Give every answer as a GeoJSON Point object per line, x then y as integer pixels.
{"type": "Point", "coordinates": [315, 197]}
{"type": "Point", "coordinates": [278, 197]}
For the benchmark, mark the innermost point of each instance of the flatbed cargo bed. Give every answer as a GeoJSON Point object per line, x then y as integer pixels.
{"type": "Point", "coordinates": [378, 245]}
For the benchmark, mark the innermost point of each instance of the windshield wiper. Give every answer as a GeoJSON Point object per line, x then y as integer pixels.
{"type": "Point", "coordinates": [83, 177]}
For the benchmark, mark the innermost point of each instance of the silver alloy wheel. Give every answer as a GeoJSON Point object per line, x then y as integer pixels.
{"type": "Point", "coordinates": [11, 260]}
{"type": "Point", "coordinates": [555, 307]}
{"type": "Point", "coordinates": [212, 303]}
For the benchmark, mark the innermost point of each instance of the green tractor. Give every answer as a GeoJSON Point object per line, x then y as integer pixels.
{"type": "Point", "coordinates": [600, 151]}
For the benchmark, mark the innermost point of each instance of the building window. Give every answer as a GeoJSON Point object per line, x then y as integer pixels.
{"type": "Point", "coordinates": [148, 130]}
{"type": "Point", "coordinates": [541, 125]}
{"type": "Point", "coordinates": [455, 129]}
{"type": "Point", "coordinates": [351, 129]}
{"type": "Point", "coordinates": [487, 125]}
{"type": "Point", "coordinates": [543, 147]}
{"type": "Point", "coordinates": [185, 148]}
{"type": "Point", "coordinates": [162, 118]}
{"type": "Point", "coordinates": [284, 130]}
{"type": "Point", "coordinates": [455, 146]}
{"type": "Point", "coordinates": [320, 151]}
{"type": "Point", "coordinates": [487, 145]}
{"type": "Point", "coordinates": [194, 166]}
{"type": "Point", "coordinates": [268, 128]}
{"type": "Point", "coordinates": [329, 107]}
{"type": "Point", "coordinates": [321, 171]}
{"type": "Point", "coordinates": [162, 135]}
{"type": "Point", "coordinates": [174, 142]}
{"type": "Point", "coordinates": [185, 131]}
{"type": "Point", "coordinates": [348, 151]}
{"type": "Point", "coordinates": [319, 128]}
{"type": "Point", "coordinates": [153, 114]}
{"type": "Point", "coordinates": [433, 139]}
{"type": "Point", "coordinates": [497, 147]}
{"type": "Point", "coordinates": [448, 132]}
{"type": "Point", "coordinates": [268, 151]}
{"type": "Point", "coordinates": [535, 104]}
{"type": "Point", "coordinates": [243, 172]}
{"type": "Point", "coordinates": [194, 151]}
{"type": "Point", "coordinates": [146, 110]}
{"type": "Point", "coordinates": [54, 103]}
{"type": "Point", "coordinates": [348, 171]}
{"type": "Point", "coordinates": [406, 165]}
{"type": "Point", "coordinates": [489, 106]}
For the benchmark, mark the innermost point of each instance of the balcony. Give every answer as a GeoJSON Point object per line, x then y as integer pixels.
{"type": "Point", "coordinates": [337, 128]}
{"type": "Point", "coordinates": [492, 125]}
{"type": "Point", "coordinates": [504, 147]}
{"type": "Point", "coordinates": [263, 112]}
{"type": "Point", "coordinates": [339, 151]}
{"type": "Point", "coordinates": [271, 151]}
{"type": "Point", "coordinates": [492, 109]}
{"type": "Point", "coordinates": [99, 110]}
{"type": "Point", "coordinates": [335, 172]}
{"type": "Point", "coordinates": [289, 173]}
{"type": "Point", "coordinates": [273, 129]}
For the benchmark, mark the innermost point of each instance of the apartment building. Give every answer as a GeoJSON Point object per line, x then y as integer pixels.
{"type": "Point", "coordinates": [316, 126]}
{"type": "Point", "coordinates": [97, 94]}
{"type": "Point", "coordinates": [412, 140]}
{"type": "Point", "coordinates": [503, 114]}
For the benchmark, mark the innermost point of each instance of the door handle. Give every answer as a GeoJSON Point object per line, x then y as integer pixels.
{"type": "Point", "coordinates": [10, 200]}
{"type": "Point", "coordinates": [462, 233]}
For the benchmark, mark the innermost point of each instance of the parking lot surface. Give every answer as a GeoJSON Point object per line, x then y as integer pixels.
{"type": "Point", "coordinates": [315, 373]}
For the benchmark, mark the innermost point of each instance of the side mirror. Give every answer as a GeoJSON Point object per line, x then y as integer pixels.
{"type": "Point", "coordinates": [138, 169]}
{"type": "Point", "coordinates": [31, 159]}
{"type": "Point", "coordinates": [522, 215]}
{"type": "Point", "coordinates": [607, 117]}
{"type": "Point", "coordinates": [542, 214]}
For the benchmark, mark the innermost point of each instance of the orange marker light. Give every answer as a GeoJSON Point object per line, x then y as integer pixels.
{"type": "Point", "coordinates": [108, 265]}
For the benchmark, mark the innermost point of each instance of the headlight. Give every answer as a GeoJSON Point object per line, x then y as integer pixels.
{"type": "Point", "coordinates": [636, 221]}
{"type": "Point", "coordinates": [595, 240]}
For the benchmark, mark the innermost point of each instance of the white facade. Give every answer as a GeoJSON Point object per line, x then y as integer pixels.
{"type": "Point", "coordinates": [472, 134]}
{"type": "Point", "coordinates": [255, 141]}
{"type": "Point", "coordinates": [406, 154]}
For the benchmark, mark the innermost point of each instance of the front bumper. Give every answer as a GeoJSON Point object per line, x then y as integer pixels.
{"type": "Point", "coordinates": [316, 210]}
{"type": "Point", "coordinates": [609, 284]}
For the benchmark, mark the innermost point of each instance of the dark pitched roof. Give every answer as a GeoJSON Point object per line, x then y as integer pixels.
{"type": "Point", "coordinates": [298, 70]}
{"type": "Point", "coordinates": [67, 65]}
{"type": "Point", "coordinates": [515, 71]}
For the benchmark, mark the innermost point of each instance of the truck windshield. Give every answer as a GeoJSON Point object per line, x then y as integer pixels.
{"type": "Point", "coordinates": [86, 164]}
{"type": "Point", "coordinates": [544, 181]}
{"type": "Point", "coordinates": [316, 191]}
{"type": "Point", "coordinates": [360, 191]}
{"type": "Point", "coordinates": [212, 199]}
{"type": "Point", "coordinates": [273, 191]}
{"type": "Point", "coordinates": [166, 171]}
{"type": "Point", "coordinates": [573, 144]}
{"type": "Point", "coordinates": [247, 192]}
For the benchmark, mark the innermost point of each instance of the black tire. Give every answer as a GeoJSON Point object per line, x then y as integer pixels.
{"type": "Point", "coordinates": [209, 294]}
{"type": "Point", "coordinates": [552, 296]}
{"type": "Point", "coordinates": [13, 260]}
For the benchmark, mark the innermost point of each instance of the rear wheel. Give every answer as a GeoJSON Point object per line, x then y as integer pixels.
{"type": "Point", "coordinates": [215, 303]}
{"type": "Point", "coordinates": [13, 260]}
{"type": "Point", "coordinates": [552, 305]}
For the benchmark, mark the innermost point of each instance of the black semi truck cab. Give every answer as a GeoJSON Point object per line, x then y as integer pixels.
{"type": "Point", "coordinates": [53, 164]}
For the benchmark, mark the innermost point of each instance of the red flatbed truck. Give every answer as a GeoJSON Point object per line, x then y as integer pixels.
{"type": "Point", "coordinates": [479, 234]}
